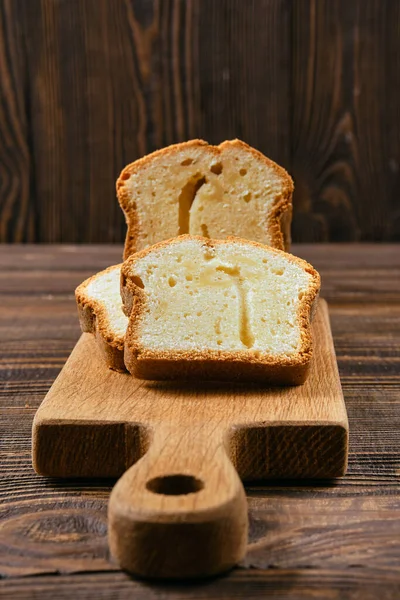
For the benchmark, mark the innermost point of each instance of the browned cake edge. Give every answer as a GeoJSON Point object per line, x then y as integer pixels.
{"type": "Point", "coordinates": [215, 364]}
{"type": "Point", "coordinates": [279, 219]}
{"type": "Point", "coordinates": [93, 319]}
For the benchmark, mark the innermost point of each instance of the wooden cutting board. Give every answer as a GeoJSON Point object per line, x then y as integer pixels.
{"type": "Point", "coordinates": [180, 511]}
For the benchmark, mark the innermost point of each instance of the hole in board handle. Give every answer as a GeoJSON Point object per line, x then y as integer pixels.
{"type": "Point", "coordinates": [175, 485]}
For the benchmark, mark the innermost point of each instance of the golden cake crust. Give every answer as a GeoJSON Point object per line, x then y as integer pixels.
{"type": "Point", "coordinates": [279, 218]}
{"type": "Point", "coordinates": [215, 364]}
{"type": "Point", "coordinates": [93, 318]}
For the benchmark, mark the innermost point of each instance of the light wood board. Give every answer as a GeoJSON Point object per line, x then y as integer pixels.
{"type": "Point", "coordinates": [97, 423]}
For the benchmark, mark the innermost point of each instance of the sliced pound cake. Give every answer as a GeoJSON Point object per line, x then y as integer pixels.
{"type": "Point", "coordinates": [212, 191]}
{"type": "Point", "coordinates": [218, 309]}
{"type": "Point", "coordinates": [100, 312]}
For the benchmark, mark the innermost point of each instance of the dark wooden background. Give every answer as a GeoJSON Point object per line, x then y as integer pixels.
{"type": "Point", "coordinates": [90, 85]}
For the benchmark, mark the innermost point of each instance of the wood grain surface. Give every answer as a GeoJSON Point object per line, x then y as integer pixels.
{"type": "Point", "coordinates": [88, 86]}
{"type": "Point", "coordinates": [281, 432]}
{"type": "Point", "coordinates": [194, 440]}
{"type": "Point", "coordinates": [308, 539]}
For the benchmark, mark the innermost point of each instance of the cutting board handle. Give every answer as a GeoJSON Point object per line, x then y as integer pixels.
{"type": "Point", "coordinates": [181, 510]}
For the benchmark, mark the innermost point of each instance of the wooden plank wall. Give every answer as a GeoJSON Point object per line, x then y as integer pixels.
{"type": "Point", "coordinates": [90, 85]}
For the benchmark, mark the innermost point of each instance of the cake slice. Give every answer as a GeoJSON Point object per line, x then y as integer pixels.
{"type": "Point", "coordinates": [212, 191]}
{"type": "Point", "coordinates": [218, 309]}
{"type": "Point", "coordinates": [100, 312]}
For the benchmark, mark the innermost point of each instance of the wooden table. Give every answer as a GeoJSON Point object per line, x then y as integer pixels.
{"type": "Point", "coordinates": [313, 539]}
